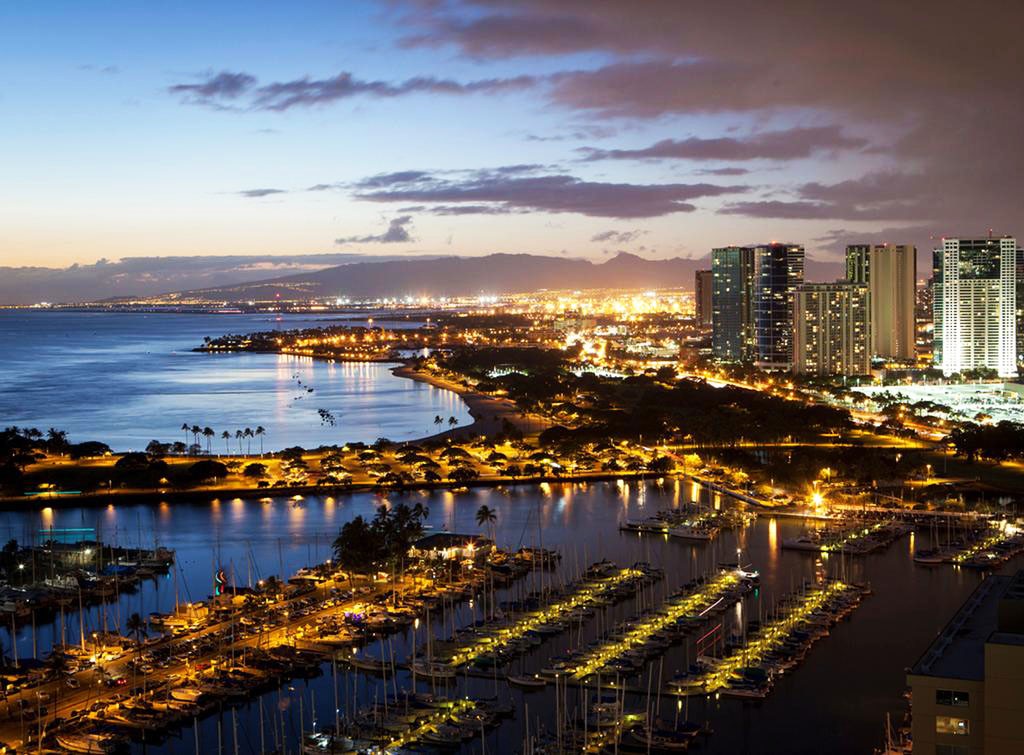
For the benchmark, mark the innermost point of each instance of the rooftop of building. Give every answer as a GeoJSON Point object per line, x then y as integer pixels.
{"type": "Point", "coordinates": [959, 650]}
{"type": "Point", "coordinates": [440, 540]}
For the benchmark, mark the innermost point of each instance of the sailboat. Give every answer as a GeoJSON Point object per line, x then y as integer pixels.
{"type": "Point", "coordinates": [528, 683]}
{"type": "Point", "coordinates": [894, 744]}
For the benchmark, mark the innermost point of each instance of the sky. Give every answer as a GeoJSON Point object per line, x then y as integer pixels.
{"type": "Point", "coordinates": [566, 127]}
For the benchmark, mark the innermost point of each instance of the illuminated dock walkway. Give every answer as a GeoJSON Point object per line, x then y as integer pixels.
{"type": "Point", "coordinates": [692, 604]}
{"type": "Point", "coordinates": [426, 727]}
{"type": "Point", "coordinates": [772, 636]}
{"type": "Point", "coordinates": [585, 595]}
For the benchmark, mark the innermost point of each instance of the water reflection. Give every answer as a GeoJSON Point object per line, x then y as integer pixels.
{"type": "Point", "coordinates": [253, 540]}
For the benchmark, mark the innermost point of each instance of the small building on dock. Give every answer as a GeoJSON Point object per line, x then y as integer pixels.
{"type": "Point", "coordinates": [449, 546]}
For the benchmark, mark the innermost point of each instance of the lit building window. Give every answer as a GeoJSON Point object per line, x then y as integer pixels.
{"type": "Point", "coordinates": [952, 725]}
{"type": "Point", "coordinates": [952, 697]}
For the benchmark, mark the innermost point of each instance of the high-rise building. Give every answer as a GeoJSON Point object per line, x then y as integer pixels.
{"type": "Point", "coordinates": [777, 271]}
{"type": "Point", "coordinates": [968, 687]}
{"type": "Point", "coordinates": [890, 272]}
{"type": "Point", "coordinates": [975, 305]}
{"type": "Point", "coordinates": [858, 262]}
{"type": "Point", "coordinates": [1020, 305]}
{"type": "Point", "coordinates": [732, 320]}
{"type": "Point", "coordinates": [832, 329]}
{"type": "Point", "coordinates": [702, 293]}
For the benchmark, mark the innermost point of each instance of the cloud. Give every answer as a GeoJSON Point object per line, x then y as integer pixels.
{"type": "Point", "coordinates": [874, 196]}
{"type": "Point", "coordinates": [391, 179]}
{"type": "Point", "coordinates": [109, 70]}
{"type": "Point", "coordinates": [226, 88]}
{"type": "Point", "coordinates": [773, 145]}
{"type": "Point", "coordinates": [397, 233]}
{"type": "Point", "coordinates": [874, 67]}
{"type": "Point", "coordinates": [837, 239]}
{"type": "Point", "coordinates": [225, 85]}
{"type": "Point", "coordinates": [723, 171]}
{"type": "Point", "coordinates": [617, 237]}
{"type": "Point", "coordinates": [592, 131]}
{"type": "Point", "coordinates": [505, 190]}
{"type": "Point", "coordinates": [257, 193]}
{"type": "Point", "coordinates": [469, 209]}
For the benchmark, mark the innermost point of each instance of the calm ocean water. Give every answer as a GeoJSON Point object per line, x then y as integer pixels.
{"type": "Point", "coordinates": [126, 379]}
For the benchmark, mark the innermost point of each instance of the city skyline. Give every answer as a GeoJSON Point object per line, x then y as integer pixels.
{"type": "Point", "coordinates": [576, 129]}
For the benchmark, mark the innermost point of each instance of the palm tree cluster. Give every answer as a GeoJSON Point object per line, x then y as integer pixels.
{"type": "Point", "coordinates": [363, 545]}
{"type": "Point", "coordinates": [208, 433]}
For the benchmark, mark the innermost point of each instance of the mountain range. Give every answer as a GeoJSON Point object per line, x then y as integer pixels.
{"type": "Point", "coordinates": [468, 276]}
{"type": "Point", "coordinates": [263, 277]}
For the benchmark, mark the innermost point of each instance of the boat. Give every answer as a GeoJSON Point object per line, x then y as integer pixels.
{"type": "Point", "coordinates": [90, 743]}
{"type": "Point", "coordinates": [688, 532]}
{"type": "Point", "coordinates": [929, 557]}
{"type": "Point", "coordinates": [660, 739]}
{"type": "Point", "coordinates": [370, 665]}
{"type": "Point", "coordinates": [186, 694]}
{"type": "Point", "coordinates": [534, 682]}
{"type": "Point", "coordinates": [433, 670]}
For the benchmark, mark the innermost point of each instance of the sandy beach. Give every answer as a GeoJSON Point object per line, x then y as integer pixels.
{"type": "Point", "coordinates": [487, 412]}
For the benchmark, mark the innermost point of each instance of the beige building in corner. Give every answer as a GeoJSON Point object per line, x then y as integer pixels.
{"type": "Point", "coordinates": [890, 272]}
{"type": "Point", "coordinates": [968, 687]}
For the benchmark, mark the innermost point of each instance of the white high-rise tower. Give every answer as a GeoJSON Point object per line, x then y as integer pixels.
{"type": "Point", "coordinates": [975, 305]}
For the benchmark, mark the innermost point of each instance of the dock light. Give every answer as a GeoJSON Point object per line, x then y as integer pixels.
{"type": "Point", "coordinates": [21, 566]}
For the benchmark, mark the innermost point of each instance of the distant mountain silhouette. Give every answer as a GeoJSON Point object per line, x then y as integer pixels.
{"type": "Point", "coordinates": [468, 276]}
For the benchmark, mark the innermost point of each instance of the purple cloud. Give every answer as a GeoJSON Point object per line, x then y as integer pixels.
{"type": "Point", "coordinates": [309, 92]}
{"type": "Point", "coordinates": [396, 233]}
{"type": "Point", "coordinates": [692, 59]}
{"type": "Point", "coordinates": [547, 193]}
{"type": "Point", "coordinates": [617, 237]}
{"type": "Point", "coordinates": [773, 145]}
{"type": "Point", "coordinates": [225, 85]}
{"type": "Point", "coordinates": [257, 193]}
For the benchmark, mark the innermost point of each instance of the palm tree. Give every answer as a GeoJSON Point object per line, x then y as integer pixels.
{"type": "Point", "coordinates": [452, 422]}
{"type": "Point", "coordinates": [226, 436]}
{"type": "Point", "coordinates": [56, 440]}
{"type": "Point", "coordinates": [486, 517]}
{"type": "Point", "coordinates": [208, 433]}
{"type": "Point", "coordinates": [185, 429]}
{"type": "Point", "coordinates": [248, 446]}
{"type": "Point", "coordinates": [438, 420]}
{"type": "Point", "coordinates": [136, 626]}
{"type": "Point", "coordinates": [196, 431]}
{"type": "Point", "coordinates": [238, 437]}
{"type": "Point", "coordinates": [419, 511]}
{"type": "Point", "coordinates": [260, 432]}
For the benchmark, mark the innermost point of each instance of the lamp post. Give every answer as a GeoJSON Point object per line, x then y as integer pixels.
{"type": "Point", "coordinates": [415, 626]}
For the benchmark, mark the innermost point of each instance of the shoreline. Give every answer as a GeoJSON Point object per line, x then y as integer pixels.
{"type": "Point", "coordinates": [487, 411]}
{"type": "Point", "coordinates": [207, 495]}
